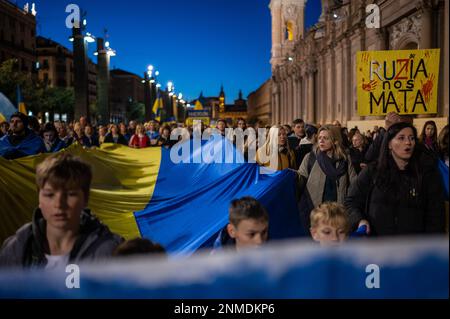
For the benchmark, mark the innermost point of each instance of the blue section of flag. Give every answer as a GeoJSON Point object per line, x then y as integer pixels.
{"type": "Point", "coordinates": [6, 107]}
{"type": "Point", "coordinates": [190, 202]}
{"type": "Point", "coordinates": [408, 268]}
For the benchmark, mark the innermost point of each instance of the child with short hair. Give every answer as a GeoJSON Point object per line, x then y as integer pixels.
{"type": "Point", "coordinates": [62, 230]}
{"type": "Point", "coordinates": [329, 224]}
{"type": "Point", "coordinates": [248, 224]}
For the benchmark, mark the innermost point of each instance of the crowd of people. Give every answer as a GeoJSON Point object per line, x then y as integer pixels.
{"type": "Point", "coordinates": [384, 182]}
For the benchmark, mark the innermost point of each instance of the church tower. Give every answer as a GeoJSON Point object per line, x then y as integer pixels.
{"type": "Point", "coordinates": [287, 28]}
{"type": "Point", "coordinates": [222, 100]}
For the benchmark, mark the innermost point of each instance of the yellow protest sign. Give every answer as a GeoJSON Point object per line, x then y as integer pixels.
{"type": "Point", "coordinates": [403, 81]}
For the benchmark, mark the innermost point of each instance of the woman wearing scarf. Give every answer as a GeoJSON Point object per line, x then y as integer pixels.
{"type": "Point", "coordinates": [325, 173]}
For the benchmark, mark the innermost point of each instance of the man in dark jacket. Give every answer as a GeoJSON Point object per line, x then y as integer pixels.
{"type": "Point", "coordinates": [62, 230]}
{"type": "Point", "coordinates": [21, 141]}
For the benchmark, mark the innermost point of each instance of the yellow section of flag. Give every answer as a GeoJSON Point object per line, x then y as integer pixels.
{"type": "Point", "coordinates": [123, 182]}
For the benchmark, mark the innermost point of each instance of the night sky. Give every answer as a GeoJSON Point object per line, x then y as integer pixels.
{"type": "Point", "coordinates": [197, 44]}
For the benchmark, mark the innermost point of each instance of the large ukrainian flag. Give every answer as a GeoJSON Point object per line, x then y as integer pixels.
{"type": "Point", "coordinates": [142, 193]}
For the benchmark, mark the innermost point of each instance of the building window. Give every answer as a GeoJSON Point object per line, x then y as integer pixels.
{"type": "Point", "coordinates": [46, 77]}
{"type": "Point", "coordinates": [289, 35]}
{"type": "Point", "coordinates": [22, 27]}
{"type": "Point", "coordinates": [12, 23]}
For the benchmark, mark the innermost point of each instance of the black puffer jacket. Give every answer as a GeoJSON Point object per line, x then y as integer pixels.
{"type": "Point", "coordinates": [29, 245]}
{"type": "Point", "coordinates": [401, 209]}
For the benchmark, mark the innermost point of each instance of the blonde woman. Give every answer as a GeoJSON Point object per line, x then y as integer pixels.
{"type": "Point", "coordinates": [275, 152]}
{"type": "Point", "coordinates": [139, 139]}
{"type": "Point", "coordinates": [325, 173]}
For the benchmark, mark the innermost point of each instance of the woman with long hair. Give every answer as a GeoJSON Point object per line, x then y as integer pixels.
{"type": "Point", "coordinates": [139, 139]}
{"type": "Point", "coordinates": [402, 193]}
{"type": "Point", "coordinates": [325, 173]}
{"type": "Point", "coordinates": [275, 152]}
{"type": "Point", "coordinates": [428, 137]}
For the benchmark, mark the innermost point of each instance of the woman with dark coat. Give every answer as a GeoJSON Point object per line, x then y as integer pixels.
{"type": "Point", "coordinates": [428, 137]}
{"type": "Point", "coordinates": [402, 193]}
{"type": "Point", "coordinates": [115, 137]}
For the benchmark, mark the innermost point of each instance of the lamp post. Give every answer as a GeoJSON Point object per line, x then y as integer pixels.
{"type": "Point", "coordinates": [150, 91]}
{"type": "Point", "coordinates": [104, 53]}
{"type": "Point", "coordinates": [81, 73]}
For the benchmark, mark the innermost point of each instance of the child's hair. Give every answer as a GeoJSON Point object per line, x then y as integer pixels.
{"type": "Point", "coordinates": [138, 246]}
{"type": "Point", "coordinates": [65, 171]}
{"type": "Point", "coordinates": [330, 213]}
{"type": "Point", "coordinates": [246, 208]}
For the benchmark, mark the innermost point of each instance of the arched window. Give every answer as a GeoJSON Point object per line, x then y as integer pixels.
{"type": "Point", "coordinates": [410, 46]}
{"type": "Point", "coordinates": [289, 35]}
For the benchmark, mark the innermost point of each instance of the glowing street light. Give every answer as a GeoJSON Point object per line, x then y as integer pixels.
{"type": "Point", "coordinates": [89, 37]}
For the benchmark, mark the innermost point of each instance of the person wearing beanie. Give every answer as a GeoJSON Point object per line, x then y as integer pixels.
{"type": "Point", "coordinates": [21, 141]}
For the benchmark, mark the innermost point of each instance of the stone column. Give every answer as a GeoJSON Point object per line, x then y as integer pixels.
{"type": "Point", "coordinates": [426, 30]}
{"type": "Point", "coordinates": [81, 84]}
{"type": "Point", "coordinates": [301, 20]}
{"type": "Point", "coordinates": [102, 82]}
{"type": "Point", "coordinates": [277, 32]}
{"type": "Point", "coordinates": [310, 93]}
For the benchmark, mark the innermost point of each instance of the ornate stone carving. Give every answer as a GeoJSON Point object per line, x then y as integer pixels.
{"type": "Point", "coordinates": [409, 27]}
{"type": "Point", "coordinates": [290, 12]}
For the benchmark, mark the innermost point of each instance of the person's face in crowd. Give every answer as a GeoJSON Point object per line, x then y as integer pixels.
{"type": "Point", "coordinates": [221, 126]}
{"type": "Point", "coordinates": [241, 124]}
{"type": "Point", "coordinates": [357, 140]}
{"type": "Point", "coordinates": [114, 130]}
{"type": "Point", "coordinates": [79, 131]}
{"type": "Point", "coordinates": [328, 235]}
{"type": "Point", "coordinates": [142, 130]}
{"type": "Point", "coordinates": [83, 121]}
{"type": "Point", "coordinates": [151, 126]}
{"type": "Point", "coordinates": [16, 125]}
{"type": "Point", "coordinates": [325, 143]}
{"type": "Point", "coordinates": [299, 129]}
{"type": "Point", "coordinates": [429, 130]}
{"type": "Point", "coordinates": [249, 233]}
{"type": "Point", "coordinates": [49, 136]}
{"type": "Point", "coordinates": [4, 127]}
{"type": "Point", "coordinates": [123, 129]}
{"type": "Point", "coordinates": [62, 132]}
{"type": "Point", "coordinates": [102, 131]}
{"type": "Point", "coordinates": [132, 125]}
{"type": "Point", "coordinates": [62, 208]}
{"type": "Point", "coordinates": [282, 137]}
{"type": "Point", "coordinates": [166, 133]}
{"type": "Point", "coordinates": [88, 130]}
{"type": "Point", "coordinates": [402, 145]}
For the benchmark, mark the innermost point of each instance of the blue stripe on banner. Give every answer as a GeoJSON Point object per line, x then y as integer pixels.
{"type": "Point", "coordinates": [190, 203]}
{"type": "Point", "coordinates": [408, 268]}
